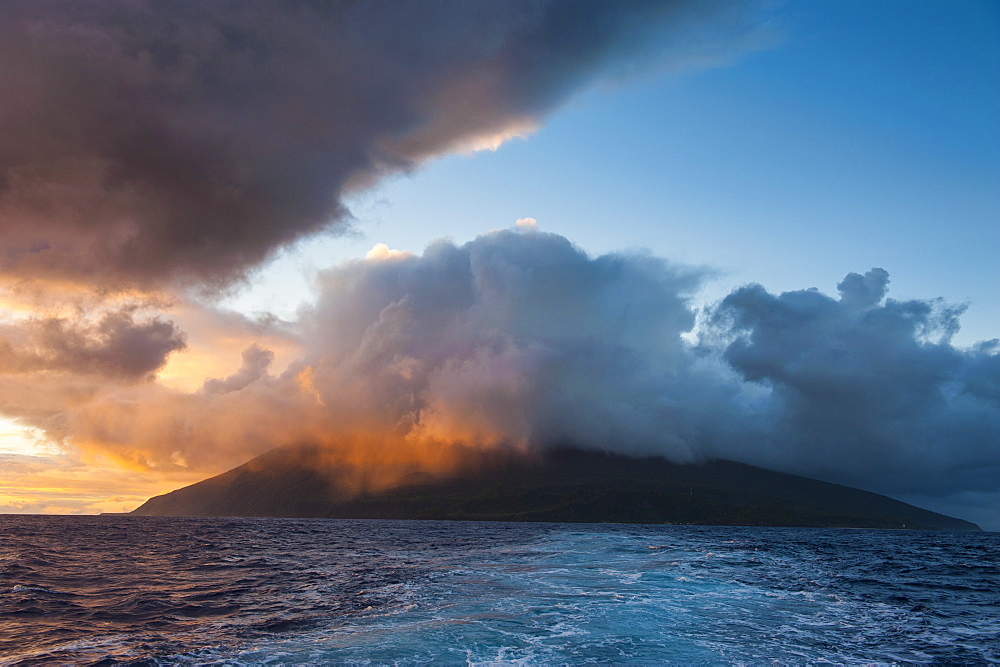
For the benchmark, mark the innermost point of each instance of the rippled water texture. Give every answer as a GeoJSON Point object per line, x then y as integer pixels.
{"type": "Point", "coordinates": [128, 589]}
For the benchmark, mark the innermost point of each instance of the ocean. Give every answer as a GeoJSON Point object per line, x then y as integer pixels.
{"type": "Point", "coordinates": [150, 590]}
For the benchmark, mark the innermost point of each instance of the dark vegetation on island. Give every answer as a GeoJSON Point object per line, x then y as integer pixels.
{"type": "Point", "coordinates": [564, 485]}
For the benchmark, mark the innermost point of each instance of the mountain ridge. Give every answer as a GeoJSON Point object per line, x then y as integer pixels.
{"type": "Point", "coordinates": [564, 485]}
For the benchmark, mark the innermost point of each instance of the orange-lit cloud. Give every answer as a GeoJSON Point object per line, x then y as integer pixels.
{"type": "Point", "coordinates": [410, 355]}
{"type": "Point", "coordinates": [153, 156]}
{"type": "Point", "coordinates": [518, 341]}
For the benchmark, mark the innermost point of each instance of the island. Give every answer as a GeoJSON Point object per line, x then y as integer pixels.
{"type": "Point", "coordinates": [559, 485]}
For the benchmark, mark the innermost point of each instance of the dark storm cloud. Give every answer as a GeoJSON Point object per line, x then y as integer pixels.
{"type": "Point", "coordinates": [115, 346]}
{"type": "Point", "coordinates": [866, 391]}
{"type": "Point", "coordinates": [188, 140]}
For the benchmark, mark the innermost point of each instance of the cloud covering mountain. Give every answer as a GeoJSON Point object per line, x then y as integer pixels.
{"type": "Point", "coordinates": [867, 390]}
{"type": "Point", "coordinates": [519, 339]}
{"type": "Point", "coordinates": [152, 150]}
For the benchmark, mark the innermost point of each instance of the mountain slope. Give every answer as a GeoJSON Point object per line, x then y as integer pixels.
{"type": "Point", "coordinates": [565, 485]}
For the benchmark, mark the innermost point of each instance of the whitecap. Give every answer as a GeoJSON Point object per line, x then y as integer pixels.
{"type": "Point", "coordinates": [19, 588]}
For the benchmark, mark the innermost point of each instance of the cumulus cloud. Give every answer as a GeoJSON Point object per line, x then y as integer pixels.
{"type": "Point", "coordinates": [149, 140]}
{"type": "Point", "coordinates": [512, 340]}
{"type": "Point", "coordinates": [152, 146]}
{"type": "Point", "coordinates": [523, 341]}
{"type": "Point", "coordinates": [865, 390]}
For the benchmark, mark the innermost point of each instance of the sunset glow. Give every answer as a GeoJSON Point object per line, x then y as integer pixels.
{"type": "Point", "coordinates": [725, 230]}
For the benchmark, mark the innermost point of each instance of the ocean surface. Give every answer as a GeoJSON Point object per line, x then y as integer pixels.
{"type": "Point", "coordinates": [149, 590]}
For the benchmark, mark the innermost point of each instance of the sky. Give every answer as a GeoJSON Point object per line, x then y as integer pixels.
{"type": "Point", "coordinates": [758, 231]}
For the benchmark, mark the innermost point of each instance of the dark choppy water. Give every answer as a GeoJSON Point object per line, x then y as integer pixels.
{"type": "Point", "coordinates": [159, 590]}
